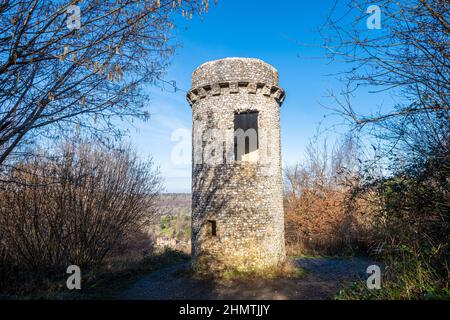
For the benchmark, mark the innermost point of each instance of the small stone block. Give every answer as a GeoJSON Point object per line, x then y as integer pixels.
{"type": "Point", "coordinates": [192, 97]}
{"type": "Point", "coordinates": [266, 90]}
{"type": "Point", "coordinates": [215, 89]}
{"type": "Point", "coordinates": [234, 88]}
{"type": "Point", "coordinates": [251, 88]}
{"type": "Point", "coordinates": [202, 92]}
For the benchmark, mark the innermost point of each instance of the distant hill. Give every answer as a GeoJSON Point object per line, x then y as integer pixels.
{"type": "Point", "coordinates": [173, 217]}
{"type": "Point", "coordinates": [174, 203]}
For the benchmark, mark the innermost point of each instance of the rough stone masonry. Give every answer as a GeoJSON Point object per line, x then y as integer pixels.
{"type": "Point", "coordinates": [237, 203]}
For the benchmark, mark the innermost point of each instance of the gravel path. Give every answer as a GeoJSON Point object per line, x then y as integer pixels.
{"type": "Point", "coordinates": [324, 277]}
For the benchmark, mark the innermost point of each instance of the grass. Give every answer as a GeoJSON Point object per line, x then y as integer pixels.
{"type": "Point", "coordinates": [392, 291]}
{"type": "Point", "coordinates": [407, 277]}
{"type": "Point", "coordinates": [287, 270]}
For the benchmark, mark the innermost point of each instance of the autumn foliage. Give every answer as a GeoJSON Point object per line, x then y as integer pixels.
{"type": "Point", "coordinates": [321, 217]}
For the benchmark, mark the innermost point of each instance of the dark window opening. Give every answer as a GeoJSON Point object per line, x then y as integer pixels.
{"type": "Point", "coordinates": [212, 227]}
{"type": "Point", "coordinates": [248, 122]}
{"type": "Point", "coordinates": [247, 145]}
{"type": "Point", "coordinates": [224, 152]}
{"type": "Point", "coordinates": [203, 151]}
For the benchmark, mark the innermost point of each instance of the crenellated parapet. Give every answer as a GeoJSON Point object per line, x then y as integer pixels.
{"type": "Point", "coordinates": [235, 87]}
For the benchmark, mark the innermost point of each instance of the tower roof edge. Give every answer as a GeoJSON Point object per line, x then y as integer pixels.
{"type": "Point", "coordinates": [234, 69]}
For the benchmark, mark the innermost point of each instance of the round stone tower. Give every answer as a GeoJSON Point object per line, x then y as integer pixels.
{"type": "Point", "coordinates": [237, 200]}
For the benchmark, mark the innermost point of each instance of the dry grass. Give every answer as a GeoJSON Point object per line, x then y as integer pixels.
{"type": "Point", "coordinates": [286, 270]}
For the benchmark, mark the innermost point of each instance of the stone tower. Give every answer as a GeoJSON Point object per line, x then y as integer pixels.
{"type": "Point", "coordinates": [237, 200]}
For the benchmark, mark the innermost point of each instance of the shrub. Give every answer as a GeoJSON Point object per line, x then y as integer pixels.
{"type": "Point", "coordinates": [319, 217]}
{"type": "Point", "coordinates": [74, 205]}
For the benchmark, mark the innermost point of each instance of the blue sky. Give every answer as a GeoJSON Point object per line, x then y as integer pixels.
{"type": "Point", "coordinates": [268, 30]}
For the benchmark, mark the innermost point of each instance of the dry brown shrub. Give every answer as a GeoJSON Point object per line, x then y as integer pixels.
{"type": "Point", "coordinates": [321, 215]}
{"type": "Point", "coordinates": [76, 205]}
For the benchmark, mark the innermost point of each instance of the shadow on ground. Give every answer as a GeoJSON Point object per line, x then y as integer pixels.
{"type": "Point", "coordinates": [323, 278]}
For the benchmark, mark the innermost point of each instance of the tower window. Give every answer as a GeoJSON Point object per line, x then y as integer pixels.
{"type": "Point", "coordinates": [212, 228]}
{"type": "Point", "coordinates": [246, 136]}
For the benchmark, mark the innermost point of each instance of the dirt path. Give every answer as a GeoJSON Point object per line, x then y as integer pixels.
{"type": "Point", "coordinates": [323, 278]}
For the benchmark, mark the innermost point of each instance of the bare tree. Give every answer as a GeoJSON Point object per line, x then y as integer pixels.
{"type": "Point", "coordinates": [75, 205]}
{"type": "Point", "coordinates": [409, 56]}
{"type": "Point", "coordinates": [79, 64]}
